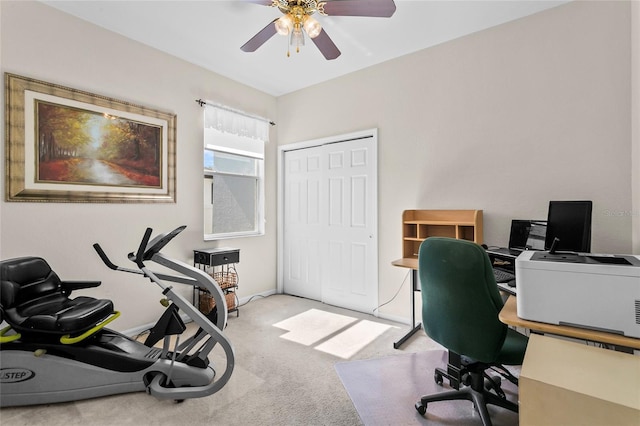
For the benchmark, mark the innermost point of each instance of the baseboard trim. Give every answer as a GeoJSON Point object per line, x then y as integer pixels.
{"type": "Point", "coordinates": [247, 299]}
{"type": "Point", "coordinates": [395, 318]}
{"type": "Point", "coordinates": [145, 327]}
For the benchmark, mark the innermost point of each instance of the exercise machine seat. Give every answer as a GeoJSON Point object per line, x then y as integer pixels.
{"type": "Point", "coordinates": [34, 299]}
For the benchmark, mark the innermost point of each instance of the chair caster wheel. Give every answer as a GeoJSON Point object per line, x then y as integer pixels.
{"type": "Point", "coordinates": [422, 408]}
{"type": "Point", "coordinates": [437, 377]}
{"type": "Point", "coordinates": [493, 383]}
{"type": "Point", "coordinates": [466, 379]}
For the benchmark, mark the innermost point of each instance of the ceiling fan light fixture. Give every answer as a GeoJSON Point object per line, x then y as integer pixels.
{"type": "Point", "coordinates": [297, 37]}
{"type": "Point", "coordinates": [296, 21]}
{"type": "Point", "coordinates": [284, 25]}
{"type": "Point", "coordinates": [312, 27]}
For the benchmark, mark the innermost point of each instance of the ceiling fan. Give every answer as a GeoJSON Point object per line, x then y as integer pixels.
{"type": "Point", "coordinates": [297, 20]}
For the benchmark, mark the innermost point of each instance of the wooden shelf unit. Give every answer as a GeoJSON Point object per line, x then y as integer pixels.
{"type": "Point", "coordinates": [417, 225]}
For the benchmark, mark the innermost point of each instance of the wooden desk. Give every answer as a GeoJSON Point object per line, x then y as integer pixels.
{"type": "Point", "coordinates": [509, 315]}
{"type": "Point", "coordinates": [411, 263]}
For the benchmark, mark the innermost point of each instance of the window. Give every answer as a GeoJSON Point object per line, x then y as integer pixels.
{"type": "Point", "coordinates": [233, 182]}
{"type": "Point", "coordinates": [233, 196]}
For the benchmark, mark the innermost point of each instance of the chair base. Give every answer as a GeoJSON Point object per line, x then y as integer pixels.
{"type": "Point", "coordinates": [454, 372]}
{"type": "Point", "coordinates": [475, 392]}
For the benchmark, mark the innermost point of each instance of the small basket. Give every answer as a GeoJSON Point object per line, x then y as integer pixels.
{"type": "Point", "coordinates": [226, 279]}
{"type": "Point", "coordinates": [207, 302]}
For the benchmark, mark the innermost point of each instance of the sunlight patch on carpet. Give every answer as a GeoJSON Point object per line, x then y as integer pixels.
{"type": "Point", "coordinates": [312, 326]}
{"type": "Point", "coordinates": [339, 335]}
{"type": "Point", "coordinates": [353, 339]}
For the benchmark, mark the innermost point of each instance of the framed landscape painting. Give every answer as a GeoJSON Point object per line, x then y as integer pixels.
{"type": "Point", "coordinates": [66, 145]}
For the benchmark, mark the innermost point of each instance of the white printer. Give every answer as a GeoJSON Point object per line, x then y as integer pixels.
{"type": "Point", "coordinates": [594, 291]}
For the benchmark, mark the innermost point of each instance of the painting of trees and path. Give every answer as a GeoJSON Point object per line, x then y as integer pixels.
{"type": "Point", "coordinates": [77, 146]}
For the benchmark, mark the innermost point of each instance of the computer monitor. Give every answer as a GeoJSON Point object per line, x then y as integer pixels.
{"type": "Point", "coordinates": [570, 222]}
{"type": "Point", "coordinates": [519, 234]}
{"type": "Point", "coordinates": [527, 234]}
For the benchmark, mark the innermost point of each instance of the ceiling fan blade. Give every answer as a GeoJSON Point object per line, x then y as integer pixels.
{"type": "Point", "coordinates": [375, 8]}
{"type": "Point", "coordinates": [326, 45]}
{"type": "Point", "coordinates": [260, 38]}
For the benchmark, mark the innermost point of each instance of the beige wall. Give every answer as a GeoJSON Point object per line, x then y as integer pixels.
{"type": "Point", "coordinates": [43, 43]}
{"type": "Point", "coordinates": [503, 120]}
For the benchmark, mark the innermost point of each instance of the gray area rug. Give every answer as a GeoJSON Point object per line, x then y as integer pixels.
{"type": "Point", "coordinates": [384, 392]}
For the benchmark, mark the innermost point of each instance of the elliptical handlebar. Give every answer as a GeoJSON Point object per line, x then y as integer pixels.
{"type": "Point", "coordinates": [145, 251]}
{"type": "Point", "coordinates": [104, 257]}
{"type": "Point", "coordinates": [140, 255]}
{"type": "Point", "coordinates": [133, 257]}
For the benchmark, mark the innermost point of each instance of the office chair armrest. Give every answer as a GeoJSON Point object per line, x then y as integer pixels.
{"type": "Point", "coordinates": [69, 286]}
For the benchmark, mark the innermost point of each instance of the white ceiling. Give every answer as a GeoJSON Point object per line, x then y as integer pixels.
{"type": "Point", "coordinates": [210, 33]}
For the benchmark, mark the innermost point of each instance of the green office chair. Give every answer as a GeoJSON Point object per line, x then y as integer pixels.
{"type": "Point", "coordinates": [460, 306]}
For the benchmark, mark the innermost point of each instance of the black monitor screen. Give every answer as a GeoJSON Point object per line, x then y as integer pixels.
{"type": "Point", "coordinates": [570, 222]}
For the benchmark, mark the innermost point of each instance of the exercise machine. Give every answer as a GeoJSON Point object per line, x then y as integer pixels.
{"type": "Point", "coordinates": [57, 349]}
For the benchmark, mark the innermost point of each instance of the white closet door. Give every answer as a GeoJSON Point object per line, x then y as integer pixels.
{"type": "Point", "coordinates": [330, 235]}
{"type": "Point", "coordinates": [303, 229]}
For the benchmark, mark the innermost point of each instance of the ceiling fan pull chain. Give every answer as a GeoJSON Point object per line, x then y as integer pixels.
{"type": "Point", "coordinates": [286, 40]}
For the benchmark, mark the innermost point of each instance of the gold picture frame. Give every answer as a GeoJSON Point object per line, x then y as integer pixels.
{"type": "Point", "coordinates": [67, 145]}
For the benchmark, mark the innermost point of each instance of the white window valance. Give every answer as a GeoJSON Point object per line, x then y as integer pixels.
{"type": "Point", "coordinates": [237, 123]}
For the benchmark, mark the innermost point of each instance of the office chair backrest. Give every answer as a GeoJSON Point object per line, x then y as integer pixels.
{"type": "Point", "coordinates": [460, 298]}
{"type": "Point", "coordinates": [26, 278]}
